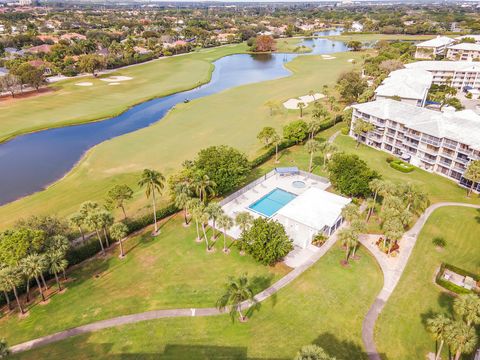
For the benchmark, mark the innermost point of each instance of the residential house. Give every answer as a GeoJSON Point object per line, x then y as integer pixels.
{"type": "Point", "coordinates": [45, 48]}
{"type": "Point", "coordinates": [356, 27]}
{"type": "Point", "coordinates": [430, 49]}
{"type": "Point", "coordinates": [43, 65]}
{"type": "Point", "coordinates": [444, 143]}
{"type": "Point", "coordinates": [73, 36]}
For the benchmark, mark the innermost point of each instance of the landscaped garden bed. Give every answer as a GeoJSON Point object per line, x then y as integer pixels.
{"type": "Point", "coordinates": [457, 280]}
{"type": "Point", "coordinates": [401, 166]}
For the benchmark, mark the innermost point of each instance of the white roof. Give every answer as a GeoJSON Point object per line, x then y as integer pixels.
{"type": "Point", "coordinates": [436, 42]}
{"type": "Point", "coordinates": [462, 126]}
{"type": "Point", "coordinates": [406, 83]}
{"type": "Point", "coordinates": [465, 46]}
{"type": "Point", "coordinates": [315, 208]}
{"type": "Point", "coordinates": [445, 66]}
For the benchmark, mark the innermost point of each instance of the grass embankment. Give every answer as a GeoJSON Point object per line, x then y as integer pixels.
{"type": "Point", "coordinates": [222, 118]}
{"type": "Point", "coordinates": [69, 104]}
{"type": "Point", "coordinates": [168, 271]}
{"type": "Point", "coordinates": [292, 45]}
{"type": "Point", "coordinates": [326, 305]}
{"type": "Point", "coordinates": [400, 331]}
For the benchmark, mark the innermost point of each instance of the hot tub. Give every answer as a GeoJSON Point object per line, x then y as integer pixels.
{"type": "Point", "coordinates": [298, 184]}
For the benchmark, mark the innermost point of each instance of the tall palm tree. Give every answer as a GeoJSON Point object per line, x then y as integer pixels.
{"type": "Point", "coordinates": [312, 147]}
{"type": "Point", "coordinates": [438, 327]}
{"type": "Point", "coordinates": [243, 220]}
{"type": "Point", "coordinates": [118, 232]}
{"type": "Point", "coordinates": [468, 307]}
{"type": "Point", "coordinates": [24, 267]}
{"type": "Point", "coordinates": [225, 222]}
{"type": "Point", "coordinates": [195, 207]}
{"type": "Point", "coordinates": [57, 264]}
{"type": "Point", "coordinates": [214, 211]}
{"type": "Point", "coordinates": [181, 201]}
{"type": "Point", "coordinates": [301, 105]}
{"type": "Point", "coordinates": [94, 222]}
{"type": "Point", "coordinates": [351, 212]}
{"type": "Point", "coordinates": [236, 292]}
{"type": "Point", "coordinates": [416, 198]}
{"type": "Point", "coordinates": [153, 181]}
{"type": "Point", "coordinates": [13, 279]}
{"type": "Point", "coordinates": [78, 220]}
{"type": "Point", "coordinates": [348, 239]}
{"type": "Point", "coordinates": [204, 187]}
{"type": "Point", "coordinates": [461, 338]}
{"type": "Point", "coordinates": [88, 207]}
{"type": "Point", "coordinates": [370, 202]}
{"type": "Point", "coordinates": [327, 148]}
{"type": "Point", "coordinates": [107, 220]}
{"type": "Point", "coordinates": [313, 127]}
{"type": "Point", "coordinates": [276, 139]}
{"type": "Point", "coordinates": [36, 267]}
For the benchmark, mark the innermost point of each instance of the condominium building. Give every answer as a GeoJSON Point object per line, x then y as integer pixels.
{"type": "Point", "coordinates": [407, 85]}
{"type": "Point", "coordinates": [443, 143]}
{"type": "Point", "coordinates": [434, 47]}
{"type": "Point", "coordinates": [459, 74]}
{"type": "Point", "coordinates": [464, 52]}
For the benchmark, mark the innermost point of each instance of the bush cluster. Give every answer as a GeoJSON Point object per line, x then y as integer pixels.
{"type": "Point", "coordinates": [401, 166]}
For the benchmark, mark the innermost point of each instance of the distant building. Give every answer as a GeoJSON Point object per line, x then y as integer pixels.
{"type": "Point", "coordinates": [408, 85]}
{"type": "Point", "coordinates": [430, 49]}
{"type": "Point", "coordinates": [464, 52]}
{"type": "Point", "coordinates": [459, 74]}
{"type": "Point", "coordinates": [39, 49]}
{"type": "Point", "coordinates": [443, 143]}
{"type": "Point", "coordinates": [25, 2]}
{"type": "Point", "coordinates": [356, 27]}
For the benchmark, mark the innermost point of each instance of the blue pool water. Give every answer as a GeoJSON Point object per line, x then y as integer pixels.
{"type": "Point", "coordinates": [272, 202]}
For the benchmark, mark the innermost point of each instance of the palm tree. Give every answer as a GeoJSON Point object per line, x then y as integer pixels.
{"type": "Point", "coordinates": [153, 181]}
{"type": "Point", "coordinates": [348, 239]}
{"type": "Point", "coordinates": [106, 219]}
{"type": "Point", "coordinates": [214, 210]}
{"type": "Point", "coordinates": [276, 139]}
{"type": "Point", "coordinates": [24, 267]}
{"type": "Point", "coordinates": [57, 264]}
{"type": "Point", "coordinates": [473, 174]}
{"type": "Point", "coordinates": [88, 207]}
{"type": "Point", "coordinates": [243, 220]}
{"type": "Point", "coordinates": [327, 148]}
{"type": "Point", "coordinates": [438, 327]}
{"type": "Point", "coordinates": [118, 232]}
{"type": "Point", "coordinates": [5, 286]}
{"type": "Point", "coordinates": [351, 212]}
{"type": "Point", "coordinates": [35, 265]}
{"type": "Point", "coordinates": [301, 105]}
{"type": "Point", "coordinates": [312, 147]}
{"type": "Point", "coordinates": [201, 217]}
{"type": "Point", "coordinates": [236, 292]}
{"type": "Point", "coordinates": [416, 198]}
{"type": "Point", "coordinates": [4, 350]}
{"type": "Point", "coordinates": [225, 222]}
{"type": "Point", "coordinates": [312, 94]}
{"type": "Point", "coordinates": [204, 186]}
{"type": "Point", "coordinates": [468, 307]}
{"type": "Point", "coordinates": [181, 201]}
{"type": "Point", "coordinates": [461, 338]}
{"type": "Point", "coordinates": [77, 220]}
{"type": "Point", "coordinates": [94, 222]}
{"type": "Point", "coordinates": [194, 207]}
{"type": "Point", "coordinates": [13, 278]}
{"type": "Point", "coordinates": [313, 127]}
{"type": "Point", "coordinates": [362, 127]}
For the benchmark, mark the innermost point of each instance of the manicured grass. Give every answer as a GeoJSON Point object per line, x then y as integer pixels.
{"type": "Point", "coordinates": [71, 104]}
{"type": "Point", "coordinates": [438, 187]}
{"type": "Point", "coordinates": [326, 305]}
{"type": "Point", "coordinates": [400, 332]}
{"type": "Point", "coordinates": [168, 271]}
{"type": "Point", "coordinates": [222, 118]}
{"type": "Point", "coordinates": [291, 45]}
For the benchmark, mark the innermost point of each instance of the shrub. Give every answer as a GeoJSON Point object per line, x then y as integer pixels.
{"type": "Point", "coordinates": [319, 239]}
{"type": "Point", "coordinates": [147, 219]}
{"type": "Point", "coordinates": [345, 130]}
{"type": "Point", "coordinates": [449, 285]}
{"type": "Point", "coordinates": [402, 166]}
{"type": "Point", "coordinates": [389, 159]}
{"type": "Point", "coordinates": [266, 241]}
{"type": "Point", "coordinates": [295, 131]}
{"type": "Point", "coordinates": [469, 95]}
{"type": "Point", "coordinates": [439, 242]}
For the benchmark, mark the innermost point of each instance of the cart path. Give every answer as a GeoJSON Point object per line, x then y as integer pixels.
{"type": "Point", "coordinates": [392, 269]}
{"type": "Point", "coordinates": [171, 313]}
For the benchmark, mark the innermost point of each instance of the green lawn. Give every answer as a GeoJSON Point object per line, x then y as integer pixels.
{"type": "Point", "coordinates": [70, 104]}
{"type": "Point", "coordinates": [326, 305]}
{"type": "Point", "coordinates": [218, 119]}
{"type": "Point", "coordinates": [169, 271]}
{"type": "Point", "coordinates": [291, 45]}
{"type": "Point", "coordinates": [400, 331]}
{"type": "Point", "coordinates": [438, 187]}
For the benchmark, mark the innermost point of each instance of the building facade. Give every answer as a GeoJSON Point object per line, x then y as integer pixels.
{"type": "Point", "coordinates": [430, 49]}
{"type": "Point", "coordinates": [464, 52]}
{"type": "Point", "coordinates": [444, 143]}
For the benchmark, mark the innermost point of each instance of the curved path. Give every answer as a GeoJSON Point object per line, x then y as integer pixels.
{"type": "Point", "coordinates": [392, 269]}
{"type": "Point", "coordinates": [159, 314]}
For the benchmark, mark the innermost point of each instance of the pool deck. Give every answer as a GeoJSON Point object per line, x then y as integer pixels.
{"type": "Point", "coordinates": [243, 201]}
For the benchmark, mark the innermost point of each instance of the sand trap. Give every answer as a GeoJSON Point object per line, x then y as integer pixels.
{"type": "Point", "coordinates": [113, 84]}
{"type": "Point", "coordinates": [351, 60]}
{"type": "Point", "coordinates": [292, 104]}
{"type": "Point", "coordinates": [115, 79]}
{"type": "Point", "coordinates": [328, 57]}
{"type": "Point", "coordinates": [84, 84]}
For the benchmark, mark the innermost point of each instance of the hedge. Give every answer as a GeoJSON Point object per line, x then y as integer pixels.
{"type": "Point", "coordinates": [401, 166]}
{"type": "Point", "coordinates": [449, 285]}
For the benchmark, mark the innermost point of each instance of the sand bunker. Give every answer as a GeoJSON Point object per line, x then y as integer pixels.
{"type": "Point", "coordinates": [292, 104]}
{"type": "Point", "coordinates": [351, 60]}
{"type": "Point", "coordinates": [84, 84]}
{"type": "Point", "coordinates": [113, 84]}
{"type": "Point", "coordinates": [116, 79]}
{"type": "Point", "coordinates": [328, 57]}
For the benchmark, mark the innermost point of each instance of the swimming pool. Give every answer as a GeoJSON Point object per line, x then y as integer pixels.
{"type": "Point", "coordinates": [269, 204]}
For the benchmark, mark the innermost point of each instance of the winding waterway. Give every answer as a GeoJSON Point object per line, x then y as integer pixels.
{"type": "Point", "coordinates": [30, 162]}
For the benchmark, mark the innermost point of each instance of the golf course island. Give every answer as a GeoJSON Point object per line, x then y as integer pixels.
{"type": "Point", "coordinates": [196, 182]}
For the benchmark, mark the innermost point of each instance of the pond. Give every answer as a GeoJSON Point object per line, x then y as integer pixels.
{"type": "Point", "coordinates": [31, 162]}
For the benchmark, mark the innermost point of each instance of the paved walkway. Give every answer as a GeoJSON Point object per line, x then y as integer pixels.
{"type": "Point", "coordinates": [160, 314]}
{"type": "Point", "coordinates": [392, 271]}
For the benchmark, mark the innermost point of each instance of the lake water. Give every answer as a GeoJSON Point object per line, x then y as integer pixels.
{"type": "Point", "coordinates": [30, 162]}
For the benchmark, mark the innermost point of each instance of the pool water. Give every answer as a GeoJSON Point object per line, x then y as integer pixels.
{"type": "Point", "coordinates": [269, 204]}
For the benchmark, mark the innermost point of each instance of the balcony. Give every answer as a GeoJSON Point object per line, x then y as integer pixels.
{"type": "Point", "coordinates": [462, 160]}
{"type": "Point", "coordinates": [450, 146]}
{"type": "Point", "coordinates": [412, 136]}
